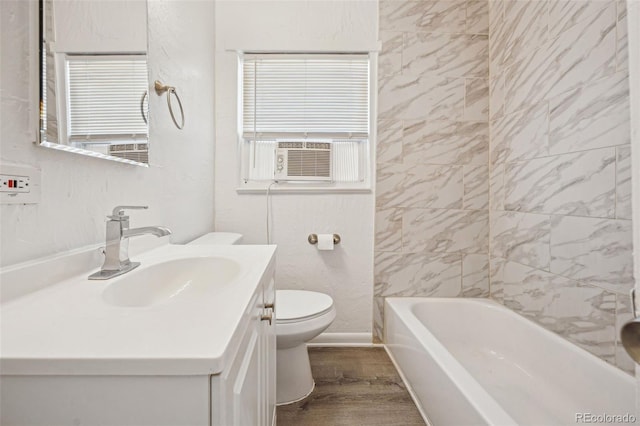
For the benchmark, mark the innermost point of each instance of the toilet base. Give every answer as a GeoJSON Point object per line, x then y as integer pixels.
{"type": "Point", "coordinates": [294, 380]}
{"type": "Point", "coordinates": [280, 404]}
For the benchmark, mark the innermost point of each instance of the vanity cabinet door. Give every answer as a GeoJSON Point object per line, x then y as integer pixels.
{"type": "Point", "coordinates": [246, 389]}
{"type": "Point", "coordinates": [268, 357]}
{"type": "Point", "coordinates": [244, 394]}
{"type": "Point", "coordinates": [237, 395]}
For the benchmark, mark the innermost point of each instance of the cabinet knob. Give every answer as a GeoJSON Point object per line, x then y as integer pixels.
{"type": "Point", "coordinates": [271, 305]}
{"type": "Point", "coordinates": [267, 317]}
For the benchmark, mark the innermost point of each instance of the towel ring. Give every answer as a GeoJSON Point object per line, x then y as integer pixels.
{"type": "Point", "coordinates": [161, 88]}
{"type": "Point", "coordinates": [142, 109]}
{"type": "Point", "coordinates": [169, 92]}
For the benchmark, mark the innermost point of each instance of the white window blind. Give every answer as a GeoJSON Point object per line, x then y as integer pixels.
{"type": "Point", "coordinates": [105, 98]}
{"type": "Point", "coordinates": [295, 95]}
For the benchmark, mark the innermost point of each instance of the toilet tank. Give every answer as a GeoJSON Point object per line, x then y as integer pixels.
{"type": "Point", "coordinates": [223, 238]}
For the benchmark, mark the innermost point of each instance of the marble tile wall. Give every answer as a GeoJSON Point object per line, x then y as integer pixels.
{"type": "Point", "coordinates": [432, 194]}
{"type": "Point", "coordinates": [560, 213]}
{"type": "Point", "coordinates": [503, 164]}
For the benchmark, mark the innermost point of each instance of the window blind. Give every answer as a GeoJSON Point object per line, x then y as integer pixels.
{"type": "Point", "coordinates": [297, 95]}
{"type": "Point", "coordinates": [104, 99]}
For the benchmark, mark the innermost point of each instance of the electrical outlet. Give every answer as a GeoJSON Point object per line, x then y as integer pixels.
{"type": "Point", "coordinates": [14, 183]}
{"type": "Point", "coordinates": [19, 184]}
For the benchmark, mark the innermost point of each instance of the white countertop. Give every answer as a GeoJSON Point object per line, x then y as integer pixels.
{"type": "Point", "coordinates": [68, 329]}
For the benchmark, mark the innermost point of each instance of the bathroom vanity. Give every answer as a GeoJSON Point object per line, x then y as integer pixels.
{"type": "Point", "coordinates": [187, 338]}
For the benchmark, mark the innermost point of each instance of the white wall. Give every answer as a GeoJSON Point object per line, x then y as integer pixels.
{"type": "Point", "coordinates": [100, 26]}
{"type": "Point", "coordinates": [77, 191]}
{"type": "Point", "coordinates": [347, 272]}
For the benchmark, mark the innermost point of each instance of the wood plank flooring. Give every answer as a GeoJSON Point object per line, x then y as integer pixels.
{"type": "Point", "coordinates": [354, 386]}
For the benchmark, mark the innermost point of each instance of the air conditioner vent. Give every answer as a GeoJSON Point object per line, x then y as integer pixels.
{"type": "Point", "coordinates": [131, 151]}
{"type": "Point", "coordinates": [318, 145]}
{"type": "Point", "coordinates": [309, 163]}
{"type": "Point", "coordinates": [303, 161]}
{"type": "Point", "coordinates": [290, 144]}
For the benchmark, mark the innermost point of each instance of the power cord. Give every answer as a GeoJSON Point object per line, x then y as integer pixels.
{"type": "Point", "coordinates": [268, 209]}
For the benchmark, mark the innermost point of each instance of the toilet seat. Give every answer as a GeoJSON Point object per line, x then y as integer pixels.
{"type": "Point", "coordinates": [301, 305]}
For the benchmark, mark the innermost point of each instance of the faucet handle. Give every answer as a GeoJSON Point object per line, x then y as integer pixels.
{"type": "Point", "coordinates": [118, 211]}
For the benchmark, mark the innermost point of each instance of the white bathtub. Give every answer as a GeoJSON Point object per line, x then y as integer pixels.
{"type": "Point", "coordinates": [473, 361]}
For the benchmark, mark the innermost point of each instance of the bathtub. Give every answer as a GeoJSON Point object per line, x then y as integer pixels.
{"type": "Point", "coordinates": [473, 361]}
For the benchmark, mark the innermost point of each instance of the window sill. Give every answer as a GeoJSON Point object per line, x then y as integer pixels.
{"type": "Point", "coordinates": [304, 188]}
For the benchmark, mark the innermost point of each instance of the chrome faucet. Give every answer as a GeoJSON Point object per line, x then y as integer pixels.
{"type": "Point", "coordinates": [116, 251]}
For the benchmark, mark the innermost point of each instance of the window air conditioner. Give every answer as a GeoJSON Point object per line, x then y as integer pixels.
{"type": "Point", "coordinates": [303, 161]}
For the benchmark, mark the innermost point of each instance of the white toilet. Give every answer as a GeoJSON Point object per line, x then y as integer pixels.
{"type": "Point", "coordinates": [300, 316]}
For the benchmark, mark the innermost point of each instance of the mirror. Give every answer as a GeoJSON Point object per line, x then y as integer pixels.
{"type": "Point", "coordinates": [93, 78]}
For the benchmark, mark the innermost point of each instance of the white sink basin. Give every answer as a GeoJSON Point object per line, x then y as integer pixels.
{"type": "Point", "coordinates": [178, 313]}
{"type": "Point", "coordinates": [161, 282]}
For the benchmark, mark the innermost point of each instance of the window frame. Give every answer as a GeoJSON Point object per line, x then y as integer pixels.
{"type": "Point", "coordinates": [366, 159]}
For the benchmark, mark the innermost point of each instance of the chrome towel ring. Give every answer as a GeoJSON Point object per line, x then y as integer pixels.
{"type": "Point", "coordinates": [143, 110]}
{"type": "Point", "coordinates": [160, 89]}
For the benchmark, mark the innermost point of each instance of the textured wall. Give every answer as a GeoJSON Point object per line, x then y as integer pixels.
{"type": "Point", "coordinates": [99, 26]}
{"type": "Point", "coordinates": [561, 244]}
{"type": "Point", "coordinates": [77, 191]}
{"type": "Point", "coordinates": [346, 272]}
{"type": "Point", "coordinates": [432, 195]}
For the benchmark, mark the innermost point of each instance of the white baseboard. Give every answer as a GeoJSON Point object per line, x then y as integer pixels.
{"type": "Point", "coordinates": [344, 339]}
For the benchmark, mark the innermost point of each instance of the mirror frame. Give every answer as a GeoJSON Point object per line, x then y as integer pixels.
{"type": "Point", "coordinates": [37, 65]}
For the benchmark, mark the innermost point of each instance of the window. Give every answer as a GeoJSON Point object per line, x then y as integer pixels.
{"type": "Point", "coordinates": [106, 104]}
{"type": "Point", "coordinates": [305, 101]}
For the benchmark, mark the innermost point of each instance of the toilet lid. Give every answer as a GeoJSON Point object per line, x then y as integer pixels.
{"type": "Point", "coordinates": [301, 304]}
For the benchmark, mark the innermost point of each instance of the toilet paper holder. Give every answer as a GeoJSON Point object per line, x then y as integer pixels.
{"type": "Point", "coordinates": [313, 239]}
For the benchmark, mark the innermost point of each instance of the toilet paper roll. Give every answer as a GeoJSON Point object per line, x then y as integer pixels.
{"type": "Point", "coordinates": [325, 241]}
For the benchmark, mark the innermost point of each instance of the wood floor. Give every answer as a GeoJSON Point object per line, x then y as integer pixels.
{"type": "Point", "coordinates": [354, 386]}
